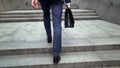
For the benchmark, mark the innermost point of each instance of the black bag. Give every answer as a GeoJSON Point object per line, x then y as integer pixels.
{"type": "Point", "coordinates": [69, 20]}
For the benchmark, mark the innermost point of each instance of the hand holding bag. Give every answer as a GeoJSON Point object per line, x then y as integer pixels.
{"type": "Point", "coordinates": [69, 20]}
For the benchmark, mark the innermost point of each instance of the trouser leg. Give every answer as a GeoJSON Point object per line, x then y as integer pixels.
{"type": "Point", "coordinates": [46, 14]}
{"type": "Point", "coordinates": [56, 15]}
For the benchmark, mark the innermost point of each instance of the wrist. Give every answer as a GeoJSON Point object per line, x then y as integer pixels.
{"type": "Point", "coordinates": [68, 5]}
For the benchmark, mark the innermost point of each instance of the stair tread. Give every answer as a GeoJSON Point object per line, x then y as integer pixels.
{"type": "Point", "coordinates": [73, 57]}
{"type": "Point", "coordinates": [29, 7]}
{"type": "Point", "coordinates": [69, 43]}
{"type": "Point", "coordinates": [40, 11]}
{"type": "Point", "coordinates": [42, 17]}
{"type": "Point", "coordinates": [38, 15]}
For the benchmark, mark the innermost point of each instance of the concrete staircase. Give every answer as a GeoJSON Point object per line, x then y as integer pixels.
{"type": "Point", "coordinates": [24, 45]}
{"type": "Point", "coordinates": [36, 15]}
{"type": "Point", "coordinates": [92, 43]}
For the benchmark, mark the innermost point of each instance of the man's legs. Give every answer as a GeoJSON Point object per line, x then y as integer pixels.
{"type": "Point", "coordinates": [46, 14]}
{"type": "Point", "coordinates": [57, 14]}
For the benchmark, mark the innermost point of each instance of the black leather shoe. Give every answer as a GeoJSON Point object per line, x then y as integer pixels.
{"type": "Point", "coordinates": [49, 39]}
{"type": "Point", "coordinates": [56, 59]}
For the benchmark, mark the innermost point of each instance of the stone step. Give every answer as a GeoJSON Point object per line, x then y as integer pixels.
{"type": "Point", "coordinates": [40, 15]}
{"type": "Point", "coordinates": [40, 11]}
{"type": "Point", "coordinates": [33, 19]}
{"type": "Point", "coordinates": [39, 47]}
{"type": "Point", "coordinates": [68, 60]}
{"type": "Point", "coordinates": [30, 37]}
{"type": "Point", "coordinates": [29, 7]}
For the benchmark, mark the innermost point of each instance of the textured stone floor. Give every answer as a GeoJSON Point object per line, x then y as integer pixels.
{"type": "Point", "coordinates": [32, 34]}
{"type": "Point", "coordinates": [67, 58]}
{"type": "Point", "coordinates": [91, 30]}
{"type": "Point", "coordinates": [39, 11]}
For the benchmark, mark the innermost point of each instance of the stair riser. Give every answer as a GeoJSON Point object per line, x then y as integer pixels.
{"type": "Point", "coordinates": [31, 8]}
{"type": "Point", "coordinates": [40, 15]}
{"type": "Point", "coordinates": [41, 19]}
{"type": "Point", "coordinates": [94, 64]}
{"type": "Point", "coordinates": [25, 13]}
{"type": "Point", "coordinates": [64, 49]}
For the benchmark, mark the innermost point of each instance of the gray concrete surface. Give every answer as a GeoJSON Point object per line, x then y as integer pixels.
{"type": "Point", "coordinates": [69, 60]}
{"type": "Point", "coordinates": [30, 37]}
{"type": "Point", "coordinates": [33, 31]}
{"type": "Point", "coordinates": [107, 9]}
{"type": "Point", "coordinates": [6, 5]}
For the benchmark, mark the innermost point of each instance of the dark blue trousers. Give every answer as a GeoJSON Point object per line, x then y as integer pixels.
{"type": "Point", "coordinates": [56, 8]}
